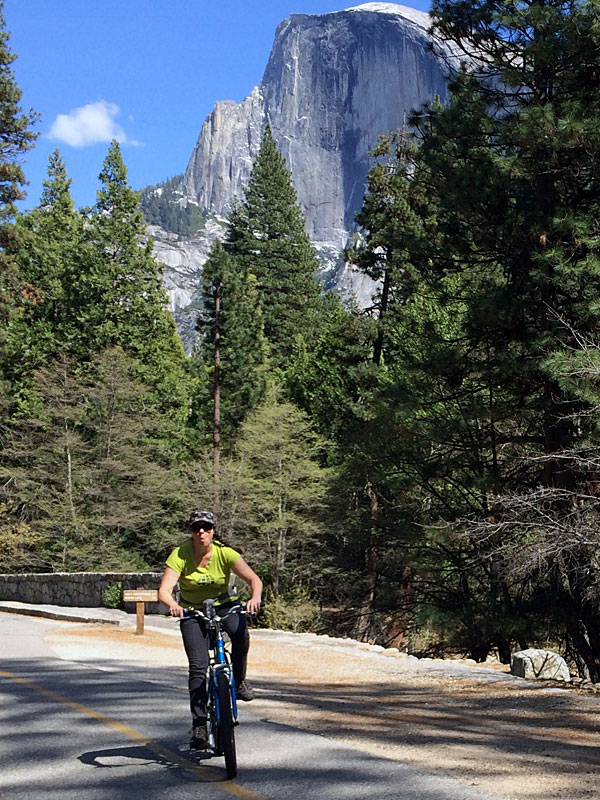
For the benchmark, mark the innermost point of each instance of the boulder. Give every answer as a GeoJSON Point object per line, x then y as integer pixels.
{"type": "Point", "coordinates": [541, 664]}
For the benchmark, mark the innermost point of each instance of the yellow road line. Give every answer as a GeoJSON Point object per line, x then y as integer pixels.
{"type": "Point", "coordinates": [229, 787]}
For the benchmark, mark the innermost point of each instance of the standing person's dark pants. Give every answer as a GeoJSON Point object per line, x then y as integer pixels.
{"type": "Point", "coordinates": [195, 642]}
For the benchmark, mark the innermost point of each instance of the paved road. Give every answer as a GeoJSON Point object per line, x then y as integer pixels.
{"type": "Point", "coordinates": [73, 729]}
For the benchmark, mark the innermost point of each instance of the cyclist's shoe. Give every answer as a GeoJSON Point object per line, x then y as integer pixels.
{"type": "Point", "coordinates": [198, 740]}
{"type": "Point", "coordinates": [244, 691]}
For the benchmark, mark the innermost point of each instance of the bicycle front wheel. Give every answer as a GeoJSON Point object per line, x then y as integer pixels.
{"type": "Point", "coordinates": [225, 733]}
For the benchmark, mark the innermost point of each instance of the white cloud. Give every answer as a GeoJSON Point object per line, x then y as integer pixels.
{"type": "Point", "coordinates": [89, 124]}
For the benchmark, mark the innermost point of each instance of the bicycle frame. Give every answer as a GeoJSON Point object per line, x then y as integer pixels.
{"type": "Point", "coordinates": [219, 663]}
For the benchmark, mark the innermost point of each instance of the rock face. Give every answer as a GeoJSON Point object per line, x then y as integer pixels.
{"type": "Point", "coordinates": [545, 664]}
{"type": "Point", "coordinates": [334, 83]}
{"type": "Point", "coordinates": [182, 258]}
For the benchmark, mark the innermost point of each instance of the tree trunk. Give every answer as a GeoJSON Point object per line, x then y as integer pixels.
{"type": "Point", "coordinates": [580, 642]}
{"type": "Point", "coordinates": [503, 647]}
{"type": "Point", "coordinates": [364, 622]}
{"type": "Point", "coordinates": [385, 294]}
{"type": "Point", "coordinates": [217, 407]}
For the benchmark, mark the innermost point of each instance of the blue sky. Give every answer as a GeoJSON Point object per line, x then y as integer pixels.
{"type": "Point", "coordinates": [146, 72]}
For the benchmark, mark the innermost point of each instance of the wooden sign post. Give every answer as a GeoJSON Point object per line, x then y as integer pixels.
{"type": "Point", "coordinates": [140, 597]}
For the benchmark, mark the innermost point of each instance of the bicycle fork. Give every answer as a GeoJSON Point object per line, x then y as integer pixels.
{"type": "Point", "coordinates": [220, 665]}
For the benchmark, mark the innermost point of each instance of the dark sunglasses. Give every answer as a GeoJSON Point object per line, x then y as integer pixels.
{"type": "Point", "coordinates": [205, 526]}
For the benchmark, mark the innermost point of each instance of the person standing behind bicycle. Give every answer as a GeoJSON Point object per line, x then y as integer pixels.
{"type": "Point", "coordinates": [202, 566]}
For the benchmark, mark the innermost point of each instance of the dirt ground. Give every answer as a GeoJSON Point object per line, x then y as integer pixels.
{"type": "Point", "coordinates": [515, 739]}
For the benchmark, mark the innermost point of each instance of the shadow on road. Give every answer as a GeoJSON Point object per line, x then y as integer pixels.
{"type": "Point", "coordinates": [485, 732]}
{"type": "Point", "coordinates": [116, 757]}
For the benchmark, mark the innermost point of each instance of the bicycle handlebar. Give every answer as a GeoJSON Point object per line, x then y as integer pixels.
{"type": "Point", "coordinates": [195, 612]}
{"type": "Point", "coordinates": [190, 613]}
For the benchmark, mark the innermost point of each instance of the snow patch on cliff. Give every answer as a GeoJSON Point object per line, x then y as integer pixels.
{"type": "Point", "coordinates": [419, 17]}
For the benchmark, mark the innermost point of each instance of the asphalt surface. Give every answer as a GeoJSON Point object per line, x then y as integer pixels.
{"type": "Point", "coordinates": [77, 729]}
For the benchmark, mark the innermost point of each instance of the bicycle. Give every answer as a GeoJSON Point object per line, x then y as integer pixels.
{"type": "Point", "coordinates": [221, 706]}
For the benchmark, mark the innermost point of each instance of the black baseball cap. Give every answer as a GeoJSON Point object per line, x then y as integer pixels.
{"type": "Point", "coordinates": [197, 517]}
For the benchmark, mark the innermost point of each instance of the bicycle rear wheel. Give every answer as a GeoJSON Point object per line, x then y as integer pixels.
{"type": "Point", "coordinates": [225, 731]}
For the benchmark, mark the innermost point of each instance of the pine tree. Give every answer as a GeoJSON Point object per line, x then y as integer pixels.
{"type": "Point", "coordinates": [334, 383]}
{"type": "Point", "coordinates": [53, 255]}
{"type": "Point", "coordinates": [124, 302]}
{"type": "Point", "coordinates": [329, 380]}
{"type": "Point", "coordinates": [232, 352]}
{"type": "Point", "coordinates": [266, 235]}
{"type": "Point", "coordinates": [16, 139]}
{"type": "Point", "coordinates": [278, 489]}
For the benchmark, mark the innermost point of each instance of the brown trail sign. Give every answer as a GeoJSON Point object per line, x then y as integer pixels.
{"type": "Point", "coordinates": [140, 597]}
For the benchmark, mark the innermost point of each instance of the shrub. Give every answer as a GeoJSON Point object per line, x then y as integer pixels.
{"type": "Point", "coordinates": [112, 595]}
{"type": "Point", "coordinates": [293, 611]}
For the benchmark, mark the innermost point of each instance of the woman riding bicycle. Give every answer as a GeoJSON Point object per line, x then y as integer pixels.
{"type": "Point", "coordinates": [202, 566]}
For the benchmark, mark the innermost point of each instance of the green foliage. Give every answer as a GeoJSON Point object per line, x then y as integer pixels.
{"type": "Point", "coordinates": [124, 303]}
{"type": "Point", "coordinates": [232, 326]}
{"type": "Point", "coordinates": [330, 380]}
{"type": "Point", "coordinates": [84, 469]}
{"type": "Point", "coordinates": [483, 232]}
{"type": "Point", "coordinates": [19, 544]}
{"type": "Point", "coordinates": [267, 238]}
{"type": "Point", "coordinates": [93, 427]}
{"type": "Point", "coordinates": [16, 139]}
{"type": "Point", "coordinates": [293, 611]}
{"type": "Point", "coordinates": [52, 256]}
{"type": "Point", "coordinates": [161, 205]}
{"type": "Point", "coordinates": [275, 493]}
{"type": "Point", "coordinates": [112, 596]}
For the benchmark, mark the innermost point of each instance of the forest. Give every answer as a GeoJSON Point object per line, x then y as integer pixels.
{"type": "Point", "coordinates": [425, 471]}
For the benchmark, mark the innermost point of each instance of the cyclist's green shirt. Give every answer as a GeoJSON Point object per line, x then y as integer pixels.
{"type": "Point", "coordinates": [197, 584]}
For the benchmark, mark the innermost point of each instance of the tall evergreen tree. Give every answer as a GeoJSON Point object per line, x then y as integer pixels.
{"type": "Point", "coordinates": [124, 302]}
{"type": "Point", "coordinates": [232, 351]}
{"type": "Point", "coordinates": [335, 383]}
{"type": "Point", "coordinates": [267, 237]}
{"type": "Point", "coordinates": [53, 255]}
{"type": "Point", "coordinates": [278, 489]}
{"type": "Point", "coordinates": [16, 138]}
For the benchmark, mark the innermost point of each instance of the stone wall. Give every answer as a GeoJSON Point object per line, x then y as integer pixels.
{"type": "Point", "coordinates": [81, 589]}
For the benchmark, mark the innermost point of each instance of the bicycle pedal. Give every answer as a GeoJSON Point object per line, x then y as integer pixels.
{"type": "Point", "coordinates": [191, 751]}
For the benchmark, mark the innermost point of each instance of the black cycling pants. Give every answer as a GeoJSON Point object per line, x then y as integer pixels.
{"type": "Point", "coordinates": [195, 640]}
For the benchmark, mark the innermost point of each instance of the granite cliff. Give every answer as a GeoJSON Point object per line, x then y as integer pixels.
{"type": "Point", "coordinates": [334, 82]}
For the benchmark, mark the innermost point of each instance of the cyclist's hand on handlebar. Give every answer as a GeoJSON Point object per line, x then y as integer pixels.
{"type": "Point", "coordinates": [176, 611]}
{"type": "Point", "coordinates": [253, 605]}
